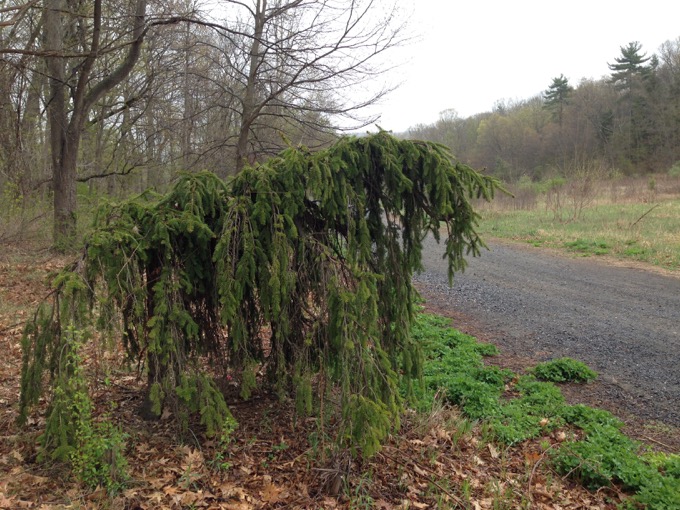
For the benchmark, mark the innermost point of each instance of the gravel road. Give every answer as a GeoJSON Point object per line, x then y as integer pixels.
{"type": "Point", "coordinates": [536, 305]}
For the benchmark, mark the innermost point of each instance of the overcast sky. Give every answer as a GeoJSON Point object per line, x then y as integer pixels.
{"type": "Point", "coordinates": [473, 53]}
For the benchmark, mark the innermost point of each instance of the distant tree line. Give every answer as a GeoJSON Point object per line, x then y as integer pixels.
{"type": "Point", "coordinates": [628, 122]}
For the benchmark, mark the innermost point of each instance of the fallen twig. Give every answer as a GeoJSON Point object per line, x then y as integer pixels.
{"type": "Point", "coordinates": [645, 214]}
{"type": "Point", "coordinates": [669, 447]}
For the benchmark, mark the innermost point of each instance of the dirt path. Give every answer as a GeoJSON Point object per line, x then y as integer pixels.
{"type": "Point", "coordinates": [535, 305]}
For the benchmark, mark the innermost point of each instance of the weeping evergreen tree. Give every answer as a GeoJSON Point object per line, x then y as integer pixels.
{"type": "Point", "coordinates": [295, 276]}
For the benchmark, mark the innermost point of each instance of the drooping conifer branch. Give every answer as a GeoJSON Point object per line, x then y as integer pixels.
{"type": "Point", "coordinates": [299, 268]}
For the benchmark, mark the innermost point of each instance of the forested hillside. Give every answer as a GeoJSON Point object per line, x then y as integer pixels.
{"type": "Point", "coordinates": [625, 123]}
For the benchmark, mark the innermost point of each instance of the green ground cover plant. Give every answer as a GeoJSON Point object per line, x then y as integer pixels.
{"type": "Point", "coordinates": [564, 370]}
{"type": "Point", "coordinates": [588, 247]}
{"type": "Point", "coordinates": [515, 408]}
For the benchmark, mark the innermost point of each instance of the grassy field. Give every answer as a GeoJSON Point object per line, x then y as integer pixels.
{"type": "Point", "coordinates": [627, 225]}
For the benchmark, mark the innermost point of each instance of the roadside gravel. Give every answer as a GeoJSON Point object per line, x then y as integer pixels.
{"type": "Point", "coordinates": [536, 305]}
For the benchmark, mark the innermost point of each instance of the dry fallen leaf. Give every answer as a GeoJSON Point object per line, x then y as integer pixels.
{"type": "Point", "coordinates": [194, 458]}
{"type": "Point", "coordinates": [330, 502]}
{"type": "Point", "coordinates": [532, 457]}
{"type": "Point", "coordinates": [190, 498]}
{"type": "Point", "coordinates": [171, 490]}
{"type": "Point", "coordinates": [420, 471]}
{"type": "Point", "coordinates": [271, 493]}
{"type": "Point", "coordinates": [493, 451]}
{"type": "Point", "coordinates": [443, 434]}
{"type": "Point", "coordinates": [5, 502]}
{"type": "Point", "coordinates": [418, 504]}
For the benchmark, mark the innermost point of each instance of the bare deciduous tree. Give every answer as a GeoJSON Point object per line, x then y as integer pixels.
{"type": "Point", "coordinates": [303, 64]}
{"type": "Point", "coordinates": [75, 88]}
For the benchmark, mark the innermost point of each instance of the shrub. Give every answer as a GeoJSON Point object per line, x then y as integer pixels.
{"type": "Point", "coordinates": [299, 268]}
{"type": "Point", "coordinates": [98, 460]}
{"type": "Point", "coordinates": [674, 171]}
{"type": "Point", "coordinates": [94, 450]}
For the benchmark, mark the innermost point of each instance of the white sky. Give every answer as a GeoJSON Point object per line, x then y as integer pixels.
{"type": "Point", "coordinates": [472, 53]}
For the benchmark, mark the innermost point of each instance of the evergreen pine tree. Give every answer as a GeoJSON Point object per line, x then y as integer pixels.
{"type": "Point", "coordinates": [298, 269]}
{"type": "Point", "coordinates": [629, 67]}
{"type": "Point", "coordinates": [557, 97]}
{"type": "Point", "coordinates": [629, 76]}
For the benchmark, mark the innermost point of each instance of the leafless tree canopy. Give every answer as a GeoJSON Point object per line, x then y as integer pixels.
{"type": "Point", "coordinates": [93, 91]}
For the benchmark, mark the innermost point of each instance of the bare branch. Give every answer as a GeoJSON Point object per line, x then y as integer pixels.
{"type": "Point", "coordinates": [21, 10]}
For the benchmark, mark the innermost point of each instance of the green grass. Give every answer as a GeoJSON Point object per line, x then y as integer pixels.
{"type": "Point", "coordinates": [516, 408]}
{"type": "Point", "coordinates": [617, 230]}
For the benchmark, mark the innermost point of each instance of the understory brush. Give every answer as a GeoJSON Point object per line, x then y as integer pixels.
{"type": "Point", "coordinates": [515, 408]}
{"type": "Point", "coordinates": [94, 450]}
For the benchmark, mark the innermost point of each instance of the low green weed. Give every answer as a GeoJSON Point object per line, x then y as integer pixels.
{"type": "Point", "coordinates": [606, 456]}
{"type": "Point", "coordinates": [666, 463]}
{"type": "Point", "coordinates": [588, 247]}
{"type": "Point", "coordinates": [99, 459]}
{"type": "Point", "coordinates": [589, 418]}
{"type": "Point", "coordinates": [513, 409]}
{"type": "Point", "coordinates": [94, 450]}
{"type": "Point", "coordinates": [219, 460]}
{"type": "Point", "coordinates": [359, 496]}
{"type": "Point", "coordinates": [536, 410]}
{"type": "Point", "coordinates": [564, 370]}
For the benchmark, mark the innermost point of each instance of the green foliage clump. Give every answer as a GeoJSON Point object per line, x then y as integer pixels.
{"type": "Point", "coordinates": [98, 459]}
{"type": "Point", "coordinates": [586, 246]}
{"type": "Point", "coordinates": [297, 267]}
{"type": "Point", "coordinates": [523, 417]}
{"type": "Point", "coordinates": [564, 370]}
{"type": "Point", "coordinates": [530, 408]}
{"type": "Point", "coordinates": [674, 171]}
{"type": "Point", "coordinates": [667, 463]}
{"type": "Point", "coordinates": [605, 456]}
{"type": "Point", "coordinates": [94, 450]}
{"type": "Point", "coordinates": [454, 364]}
{"type": "Point", "coordinates": [589, 418]}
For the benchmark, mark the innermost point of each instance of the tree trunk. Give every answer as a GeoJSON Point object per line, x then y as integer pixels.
{"type": "Point", "coordinates": [65, 130]}
{"type": "Point", "coordinates": [249, 112]}
{"type": "Point", "coordinates": [63, 155]}
{"type": "Point", "coordinates": [64, 184]}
